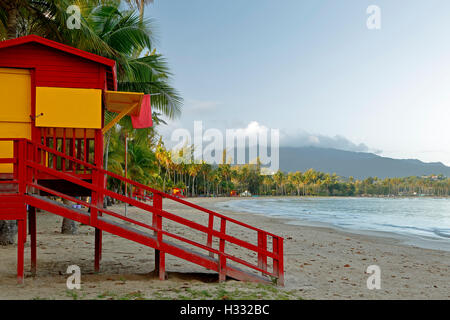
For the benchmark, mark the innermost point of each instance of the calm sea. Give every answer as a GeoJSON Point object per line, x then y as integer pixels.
{"type": "Point", "coordinates": [424, 218]}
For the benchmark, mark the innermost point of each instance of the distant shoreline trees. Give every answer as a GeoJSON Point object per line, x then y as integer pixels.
{"type": "Point", "coordinates": [164, 171]}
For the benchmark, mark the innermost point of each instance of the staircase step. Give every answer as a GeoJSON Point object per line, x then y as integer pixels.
{"type": "Point", "coordinates": [58, 208]}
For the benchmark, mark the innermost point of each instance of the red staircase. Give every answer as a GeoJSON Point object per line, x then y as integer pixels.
{"type": "Point", "coordinates": [30, 161]}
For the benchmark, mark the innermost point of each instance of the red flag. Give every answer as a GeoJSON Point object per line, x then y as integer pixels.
{"type": "Point", "coordinates": [144, 119]}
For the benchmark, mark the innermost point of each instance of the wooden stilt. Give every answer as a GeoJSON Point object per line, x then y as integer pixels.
{"type": "Point", "coordinates": [157, 256]}
{"type": "Point", "coordinates": [98, 249]}
{"type": "Point", "coordinates": [162, 265]}
{"type": "Point", "coordinates": [33, 242]}
{"type": "Point", "coordinates": [222, 269]}
{"type": "Point", "coordinates": [20, 250]}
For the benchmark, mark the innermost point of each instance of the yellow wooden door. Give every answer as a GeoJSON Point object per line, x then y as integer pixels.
{"type": "Point", "coordinates": [15, 110]}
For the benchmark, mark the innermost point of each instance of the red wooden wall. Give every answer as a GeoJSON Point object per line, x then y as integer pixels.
{"type": "Point", "coordinates": [55, 68]}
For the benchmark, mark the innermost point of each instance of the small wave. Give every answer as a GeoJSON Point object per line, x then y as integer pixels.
{"type": "Point", "coordinates": [441, 233]}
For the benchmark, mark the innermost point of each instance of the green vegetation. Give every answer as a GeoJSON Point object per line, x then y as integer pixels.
{"type": "Point", "coordinates": [245, 291]}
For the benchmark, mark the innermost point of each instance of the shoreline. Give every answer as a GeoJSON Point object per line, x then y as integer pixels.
{"type": "Point", "coordinates": [405, 239]}
{"type": "Point", "coordinates": [414, 272]}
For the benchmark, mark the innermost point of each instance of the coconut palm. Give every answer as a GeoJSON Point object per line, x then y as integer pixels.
{"type": "Point", "coordinates": [140, 5]}
{"type": "Point", "coordinates": [105, 30]}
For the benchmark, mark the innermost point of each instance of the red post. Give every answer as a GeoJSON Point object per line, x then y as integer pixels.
{"type": "Point", "coordinates": [20, 250]}
{"type": "Point", "coordinates": [262, 245]}
{"type": "Point", "coordinates": [33, 242]}
{"type": "Point", "coordinates": [162, 266]}
{"type": "Point", "coordinates": [210, 237]}
{"type": "Point", "coordinates": [280, 262]}
{"type": "Point", "coordinates": [73, 151]}
{"type": "Point", "coordinates": [98, 249]}
{"type": "Point", "coordinates": [63, 160]}
{"type": "Point", "coordinates": [222, 258]}
{"type": "Point", "coordinates": [21, 166]}
{"type": "Point", "coordinates": [55, 147]}
{"type": "Point", "coordinates": [275, 251]}
{"type": "Point", "coordinates": [97, 197]}
{"type": "Point", "coordinates": [85, 150]}
{"type": "Point", "coordinates": [160, 259]}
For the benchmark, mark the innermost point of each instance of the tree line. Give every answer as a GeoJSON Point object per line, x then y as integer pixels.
{"type": "Point", "coordinates": [151, 163]}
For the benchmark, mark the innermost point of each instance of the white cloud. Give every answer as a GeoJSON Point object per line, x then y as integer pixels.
{"type": "Point", "coordinates": [253, 128]}
{"type": "Point", "coordinates": [304, 139]}
{"type": "Point", "coordinates": [299, 138]}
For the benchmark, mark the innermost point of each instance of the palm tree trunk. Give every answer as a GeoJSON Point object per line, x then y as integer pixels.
{"type": "Point", "coordinates": [8, 230]}
{"type": "Point", "coordinates": [68, 226]}
{"type": "Point", "coordinates": [12, 22]}
{"type": "Point", "coordinates": [141, 11]}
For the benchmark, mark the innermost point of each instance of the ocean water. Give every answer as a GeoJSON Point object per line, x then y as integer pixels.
{"type": "Point", "coordinates": [425, 218]}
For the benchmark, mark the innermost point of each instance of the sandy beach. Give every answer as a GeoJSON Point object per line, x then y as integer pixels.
{"type": "Point", "coordinates": [320, 263]}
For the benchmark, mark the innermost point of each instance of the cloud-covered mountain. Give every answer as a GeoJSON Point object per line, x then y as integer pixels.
{"type": "Point", "coordinates": [305, 139]}
{"type": "Point", "coordinates": [356, 164]}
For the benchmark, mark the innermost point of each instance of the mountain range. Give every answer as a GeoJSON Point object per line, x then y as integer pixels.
{"type": "Point", "coordinates": [360, 165]}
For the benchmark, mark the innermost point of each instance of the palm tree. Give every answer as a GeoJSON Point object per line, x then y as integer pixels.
{"type": "Point", "coordinates": [118, 35]}
{"type": "Point", "coordinates": [278, 177]}
{"type": "Point", "coordinates": [140, 4]}
{"type": "Point", "coordinates": [105, 30]}
{"type": "Point", "coordinates": [13, 18]}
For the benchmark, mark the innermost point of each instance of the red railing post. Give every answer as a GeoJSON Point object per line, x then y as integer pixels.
{"type": "Point", "coordinates": [222, 257]}
{"type": "Point", "coordinates": [100, 185]}
{"type": "Point", "coordinates": [210, 236]}
{"type": "Point", "coordinates": [262, 245]}
{"type": "Point", "coordinates": [31, 154]}
{"type": "Point", "coordinates": [20, 157]}
{"type": "Point", "coordinates": [275, 260]}
{"type": "Point", "coordinates": [16, 160]}
{"type": "Point", "coordinates": [55, 147]}
{"type": "Point", "coordinates": [160, 258]}
{"type": "Point", "coordinates": [73, 151]}
{"type": "Point", "coordinates": [21, 166]}
{"type": "Point", "coordinates": [280, 280]}
{"type": "Point", "coordinates": [63, 160]}
{"type": "Point", "coordinates": [94, 199]}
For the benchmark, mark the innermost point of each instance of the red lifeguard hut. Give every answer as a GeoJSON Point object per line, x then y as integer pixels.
{"type": "Point", "coordinates": [52, 103]}
{"type": "Point", "coordinates": [56, 95]}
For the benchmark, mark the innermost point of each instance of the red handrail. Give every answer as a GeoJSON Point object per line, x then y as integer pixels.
{"type": "Point", "coordinates": [31, 152]}
{"type": "Point", "coordinates": [147, 188]}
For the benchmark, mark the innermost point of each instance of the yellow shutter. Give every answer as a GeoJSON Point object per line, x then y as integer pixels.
{"type": "Point", "coordinates": [68, 108]}
{"type": "Point", "coordinates": [15, 110]}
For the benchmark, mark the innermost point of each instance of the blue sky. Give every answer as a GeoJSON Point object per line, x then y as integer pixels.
{"type": "Point", "coordinates": [314, 70]}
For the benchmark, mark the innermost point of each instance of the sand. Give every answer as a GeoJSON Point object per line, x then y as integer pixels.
{"type": "Point", "coordinates": [320, 263]}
